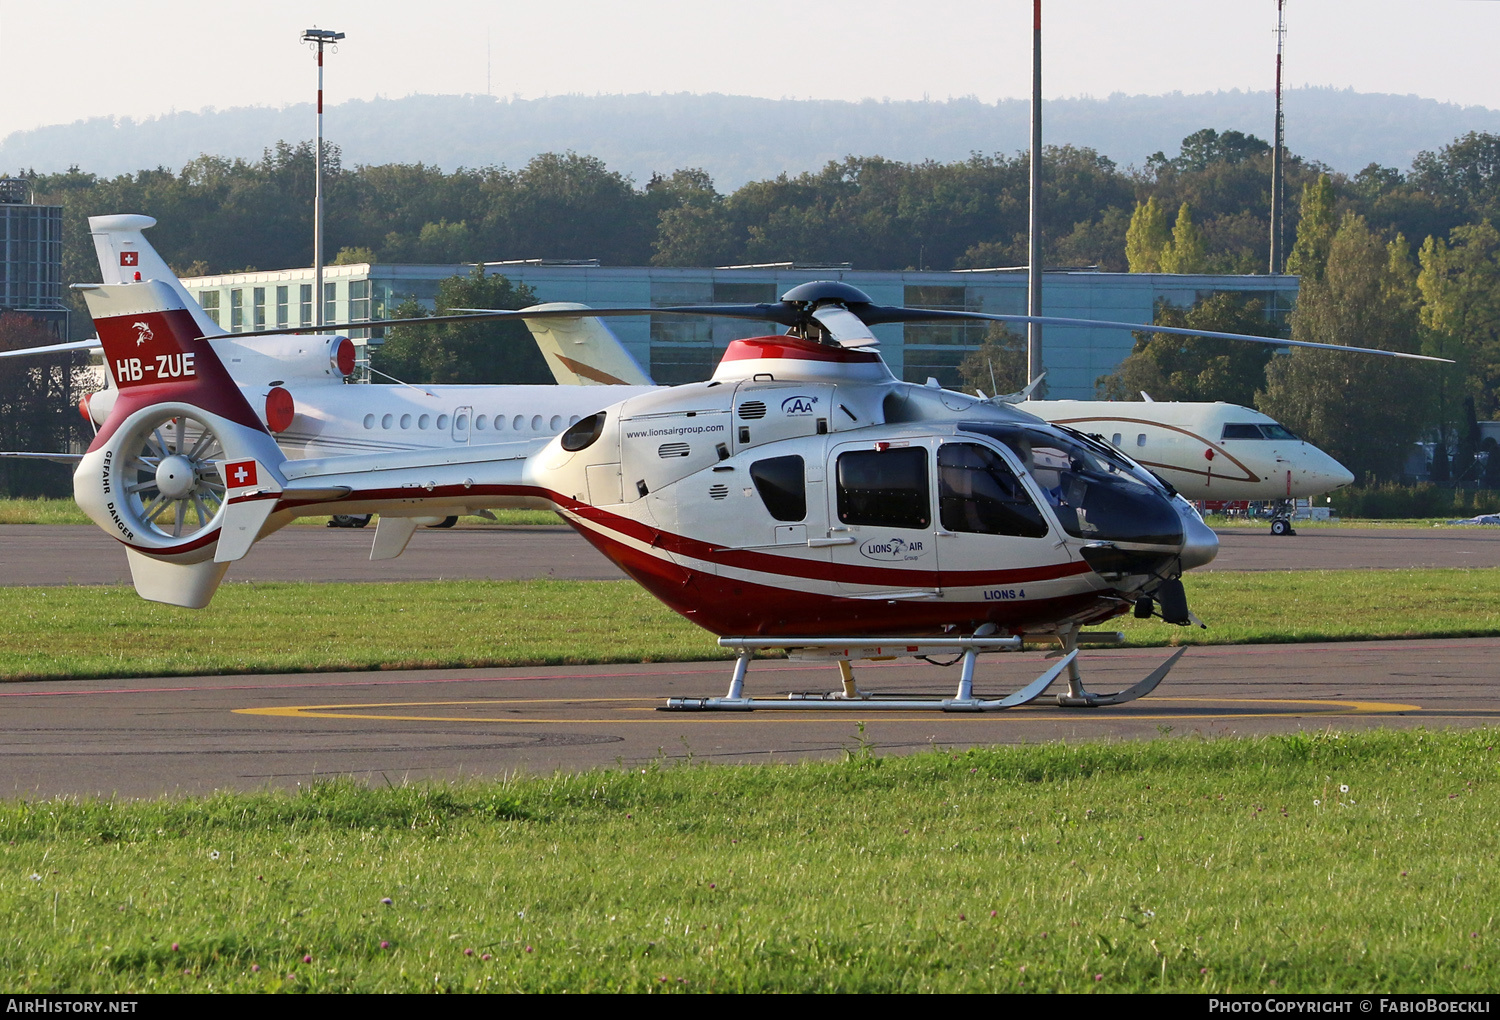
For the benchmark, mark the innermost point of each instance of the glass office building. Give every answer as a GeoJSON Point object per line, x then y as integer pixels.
{"type": "Point", "coordinates": [31, 256]}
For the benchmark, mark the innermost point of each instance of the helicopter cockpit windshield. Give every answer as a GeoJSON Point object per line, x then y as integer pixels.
{"type": "Point", "coordinates": [1096, 493]}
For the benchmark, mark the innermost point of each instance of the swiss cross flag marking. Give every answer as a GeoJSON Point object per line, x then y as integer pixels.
{"type": "Point", "coordinates": [241, 473]}
{"type": "Point", "coordinates": [130, 258]}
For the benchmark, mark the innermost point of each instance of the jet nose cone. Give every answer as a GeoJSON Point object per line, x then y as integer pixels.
{"type": "Point", "coordinates": [1326, 472]}
{"type": "Point", "coordinates": [1199, 543]}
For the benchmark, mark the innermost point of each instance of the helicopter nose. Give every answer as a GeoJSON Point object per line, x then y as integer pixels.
{"type": "Point", "coordinates": [1199, 543]}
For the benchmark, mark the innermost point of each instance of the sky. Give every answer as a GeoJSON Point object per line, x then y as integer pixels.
{"type": "Point", "coordinates": [76, 59]}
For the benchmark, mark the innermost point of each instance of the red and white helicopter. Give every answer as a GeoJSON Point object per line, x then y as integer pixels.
{"type": "Point", "coordinates": [802, 498]}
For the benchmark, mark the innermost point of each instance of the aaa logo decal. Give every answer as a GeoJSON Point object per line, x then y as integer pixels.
{"type": "Point", "coordinates": [893, 549]}
{"type": "Point", "coordinates": [798, 405]}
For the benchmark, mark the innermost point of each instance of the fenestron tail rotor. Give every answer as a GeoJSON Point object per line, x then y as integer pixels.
{"type": "Point", "coordinates": [171, 481]}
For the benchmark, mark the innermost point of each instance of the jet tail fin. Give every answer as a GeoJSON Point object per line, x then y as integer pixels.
{"type": "Point", "coordinates": [584, 352]}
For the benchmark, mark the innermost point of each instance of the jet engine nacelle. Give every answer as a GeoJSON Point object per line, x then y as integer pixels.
{"type": "Point", "coordinates": [274, 360]}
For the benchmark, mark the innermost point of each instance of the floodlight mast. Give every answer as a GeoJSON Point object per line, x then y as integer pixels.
{"type": "Point", "coordinates": [320, 37]}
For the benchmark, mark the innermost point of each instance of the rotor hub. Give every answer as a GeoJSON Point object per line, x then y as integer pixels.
{"type": "Point", "coordinates": [176, 477]}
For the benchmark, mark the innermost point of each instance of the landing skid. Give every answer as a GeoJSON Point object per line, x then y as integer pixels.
{"type": "Point", "coordinates": [963, 700]}
{"type": "Point", "coordinates": [1077, 697]}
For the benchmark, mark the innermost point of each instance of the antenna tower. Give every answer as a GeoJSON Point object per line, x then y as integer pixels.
{"type": "Point", "coordinates": [1278, 188]}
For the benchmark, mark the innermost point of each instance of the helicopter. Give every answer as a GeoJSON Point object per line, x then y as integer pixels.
{"type": "Point", "coordinates": [802, 498]}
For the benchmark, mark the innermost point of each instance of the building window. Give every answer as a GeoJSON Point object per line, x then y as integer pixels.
{"type": "Point", "coordinates": [281, 307]}
{"type": "Point", "coordinates": [306, 301]}
{"type": "Point", "coordinates": [260, 307]}
{"type": "Point", "coordinates": [330, 303]}
{"type": "Point", "coordinates": [672, 365]}
{"type": "Point", "coordinates": [359, 300]}
{"type": "Point", "coordinates": [209, 299]}
{"type": "Point", "coordinates": [236, 310]}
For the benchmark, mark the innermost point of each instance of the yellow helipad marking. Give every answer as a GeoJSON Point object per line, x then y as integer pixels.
{"type": "Point", "coordinates": [403, 711]}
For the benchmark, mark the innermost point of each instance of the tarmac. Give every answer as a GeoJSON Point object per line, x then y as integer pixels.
{"type": "Point", "coordinates": [180, 735]}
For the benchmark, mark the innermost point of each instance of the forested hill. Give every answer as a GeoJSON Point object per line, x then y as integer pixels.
{"type": "Point", "coordinates": [738, 139]}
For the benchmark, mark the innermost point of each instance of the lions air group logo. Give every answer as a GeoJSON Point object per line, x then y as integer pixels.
{"type": "Point", "coordinates": [142, 333]}
{"type": "Point", "coordinates": [893, 549]}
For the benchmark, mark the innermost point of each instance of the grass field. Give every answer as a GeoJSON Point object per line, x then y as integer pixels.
{"type": "Point", "coordinates": [1307, 863]}
{"type": "Point", "coordinates": [1218, 521]}
{"type": "Point", "coordinates": [54, 632]}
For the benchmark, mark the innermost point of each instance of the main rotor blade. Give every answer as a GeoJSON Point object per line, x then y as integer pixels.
{"type": "Point", "coordinates": [76, 345]}
{"type": "Point", "coordinates": [877, 314]}
{"type": "Point", "coordinates": [788, 314]}
{"type": "Point", "coordinates": [60, 458]}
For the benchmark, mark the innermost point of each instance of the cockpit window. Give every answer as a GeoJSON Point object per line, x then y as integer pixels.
{"type": "Point", "coordinates": [978, 493]}
{"type": "Point", "coordinates": [885, 488]}
{"type": "Point", "coordinates": [1257, 430]}
{"type": "Point", "coordinates": [782, 484]}
{"type": "Point", "coordinates": [1095, 491]}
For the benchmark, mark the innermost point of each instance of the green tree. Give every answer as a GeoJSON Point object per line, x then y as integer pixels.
{"type": "Point", "coordinates": [1315, 230]}
{"type": "Point", "coordinates": [481, 352]}
{"type": "Point", "coordinates": [1185, 253]}
{"type": "Point", "coordinates": [998, 364]}
{"type": "Point", "coordinates": [1146, 237]}
{"type": "Point", "coordinates": [38, 399]}
{"type": "Point", "coordinates": [349, 256]}
{"type": "Point", "coordinates": [1463, 176]}
{"type": "Point", "coordinates": [1460, 312]}
{"type": "Point", "coordinates": [695, 230]}
{"type": "Point", "coordinates": [1363, 409]}
{"type": "Point", "coordinates": [1205, 147]}
{"type": "Point", "coordinates": [1172, 367]}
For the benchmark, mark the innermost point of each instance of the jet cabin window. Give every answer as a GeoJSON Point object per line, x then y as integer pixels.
{"type": "Point", "coordinates": [885, 488]}
{"type": "Point", "coordinates": [978, 493]}
{"type": "Point", "coordinates": [1257, 430]}
{"type": "Point", "coordinates": [782, 485]}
